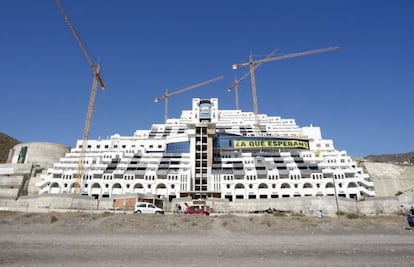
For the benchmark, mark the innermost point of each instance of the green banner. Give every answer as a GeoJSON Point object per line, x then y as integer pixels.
{"type": "Point", "coordinates": [279, 143]}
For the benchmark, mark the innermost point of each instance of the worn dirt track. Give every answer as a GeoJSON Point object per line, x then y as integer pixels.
{"type": "Point", "coordinates": [81, 239]}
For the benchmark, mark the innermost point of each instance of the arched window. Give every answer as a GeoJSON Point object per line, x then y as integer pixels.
{"type": "Point", "coordinates": [138, 186]}
{"type": "Point", "coordinates": [161, 186]}
{"type": "Point", "coordinates": [263, 185]}
{"type": "Point", "coordinates": [285, 185]}
{"type": "Point", "coordinates": [352, 184]}
{"type": "Point", "coordinates": [307, 185]}
{"type": "Point", "coordinates": [117, 185]}
{"type": "Point", "coordinates": [239, 186]}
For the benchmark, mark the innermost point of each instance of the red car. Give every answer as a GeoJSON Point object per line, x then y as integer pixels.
{"type": "Point", "coordinates": [197, 210]}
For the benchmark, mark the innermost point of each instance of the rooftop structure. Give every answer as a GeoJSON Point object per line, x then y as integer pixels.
{"type": "Point", "coordinates": [207, 153]}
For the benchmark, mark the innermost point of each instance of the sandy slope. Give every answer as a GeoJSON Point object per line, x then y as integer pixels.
{"type": "Point", "coordinates": [181, 240]}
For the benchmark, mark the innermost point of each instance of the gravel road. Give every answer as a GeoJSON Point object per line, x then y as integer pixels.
{"type": "Point", "coordinates": [183, 240]}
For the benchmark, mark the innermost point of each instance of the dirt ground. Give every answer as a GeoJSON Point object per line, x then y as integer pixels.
{"type": "Point", "coordinates": [108, 239]}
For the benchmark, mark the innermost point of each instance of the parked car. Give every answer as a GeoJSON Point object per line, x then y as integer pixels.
{"type": "Point", "coordinates": [144, 207]}
{"type": "Point", "coordinates": [197, 210]}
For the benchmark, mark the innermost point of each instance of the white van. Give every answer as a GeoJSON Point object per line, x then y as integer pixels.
{"type": "Point", "coordinates": [144, 207]}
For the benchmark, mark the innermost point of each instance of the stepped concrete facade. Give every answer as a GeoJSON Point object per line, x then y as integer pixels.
{"type": "Point", "coordinates": [18, 177]}
{"type": "Point", "coordinates": [211, 153]}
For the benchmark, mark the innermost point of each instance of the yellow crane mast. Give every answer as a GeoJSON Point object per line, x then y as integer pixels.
{"type": "Point", "coordinates": [252, 63]}
{"type": "Point", "coordinates": [168, 95]}
{"type": "Point", "coordinates": [97, 80]}
{"type": "Point", "coordinates": [236, 82]}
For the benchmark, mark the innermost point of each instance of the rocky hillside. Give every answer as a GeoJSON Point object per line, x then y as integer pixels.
{"type": "Point", "coordinates": [390, 179]}
{"type": "Point", "coordinates": [404, 158]}
{"type": "Point", "coordinates": [6, 143]}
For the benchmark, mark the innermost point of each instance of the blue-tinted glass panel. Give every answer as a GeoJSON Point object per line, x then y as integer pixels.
{"type": "Point", "coordinates": [181, 147]}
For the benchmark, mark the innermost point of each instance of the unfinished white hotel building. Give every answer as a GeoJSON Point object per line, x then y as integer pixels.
{"type": "Point", "coordinates": [209, 152]}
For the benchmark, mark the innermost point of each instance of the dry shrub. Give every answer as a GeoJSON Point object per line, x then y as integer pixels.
{"type": "Point", "coordinates": [53, 219]}
{"type": "Point", "coordinates": [4, 213]}
{"type": "Point", "coordinates": [340, 213]}
{"type": "Point", "coordinates": [352, 216]}
{"type": "Point", "coordinates": [279, 213]}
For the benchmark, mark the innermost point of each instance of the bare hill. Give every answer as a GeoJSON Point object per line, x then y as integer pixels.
{"type": "Point", "coordinates": [6, 143]}
{"type": "Point", "coordinates": [392, 158]}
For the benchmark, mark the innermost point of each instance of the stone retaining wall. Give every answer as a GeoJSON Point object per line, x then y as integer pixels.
{"type": "Point", "coordinates": [304, 205]}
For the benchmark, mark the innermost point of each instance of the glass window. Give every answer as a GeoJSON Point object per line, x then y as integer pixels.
{"type": "Point", "coordinates": [180, 147]}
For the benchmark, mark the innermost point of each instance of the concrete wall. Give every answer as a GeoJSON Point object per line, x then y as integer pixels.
{"type": "Point", "coordinates": [10, 185]}
{"type": "Point", "coordinates": [39, 156]}
{"type": "Point", "coordinates": [9, 192]}
{"type": "Point", "coordinates": [41, 153]}
{"type": "Point", "coordinates": [32, 189]}
{"type": "Point", "coordinates": [15, 169]}
{"type": "Point", "coordinates": [11, 181]}
{"type": "Point", "coordinates": [309, 205]}
{"type": "Point", "coordinates": [304, 205]}
{"type": "Point", "coordinates": [55, 202]}
{"type": "Point", "coordinates": [13, 177]}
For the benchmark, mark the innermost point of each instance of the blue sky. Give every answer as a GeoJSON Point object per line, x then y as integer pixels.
{"type": "Point", "coordinates": [361, 96]}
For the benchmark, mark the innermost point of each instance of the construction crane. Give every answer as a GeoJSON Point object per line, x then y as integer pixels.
{"type": "Point", "coordinates": [252, 64]}
{"type": "Point", "coordinates": [97, 80]}
{"type": "Point", "coordinates": [236, 82]}
{"type": "Point", "coordinates": [168, 95]}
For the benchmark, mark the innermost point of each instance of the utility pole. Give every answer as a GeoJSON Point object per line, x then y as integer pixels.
{"type": "Point", "coordinates": [338, 212]}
